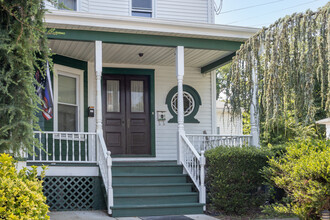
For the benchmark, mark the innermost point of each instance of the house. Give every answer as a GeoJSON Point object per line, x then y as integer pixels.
{"type": "Point", "coordinates": [326, 122]}
{"type": "Point", "coordinates": [227, 124]}
{"type": "Point", "coordinates": [134, 89]}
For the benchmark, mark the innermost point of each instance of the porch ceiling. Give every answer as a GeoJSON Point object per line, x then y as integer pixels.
{"type": "Point", "coordinates": [129, 54]}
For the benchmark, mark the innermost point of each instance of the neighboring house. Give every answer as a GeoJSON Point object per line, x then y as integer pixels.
{"type": "Point", "coordinates": [226, 123]}
{"type": "Point", "coordinates": [134, 90]}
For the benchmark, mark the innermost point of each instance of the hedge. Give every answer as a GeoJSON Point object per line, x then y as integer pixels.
{"type": "Point", "coordinates": [21, 194]}
{"type": "Point", "coordinates": [234, 181]}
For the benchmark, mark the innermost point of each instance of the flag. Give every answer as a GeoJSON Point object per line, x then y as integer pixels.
{"type": "Point", "coordinates": [44, 91]}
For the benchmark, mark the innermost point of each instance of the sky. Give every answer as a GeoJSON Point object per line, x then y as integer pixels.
{"type": "Point", "coordinates": [259, 13]}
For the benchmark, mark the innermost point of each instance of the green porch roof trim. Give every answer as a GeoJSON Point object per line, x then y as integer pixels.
{"type": "Point", "coordinates": [77, 64]}
{"type": "Point", "coordinates": [218, 63]}
{"type": "Point", "coordinates": [145, 39]}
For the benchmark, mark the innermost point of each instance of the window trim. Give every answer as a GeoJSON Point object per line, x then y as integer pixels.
{"type": "Point", "coordinates": [152, 10]}
{"type": "Point", "coordinates": [79, 75]}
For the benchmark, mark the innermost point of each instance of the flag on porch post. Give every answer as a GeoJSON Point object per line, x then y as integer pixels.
{"type": "Point", "coordinates": [44, 91]}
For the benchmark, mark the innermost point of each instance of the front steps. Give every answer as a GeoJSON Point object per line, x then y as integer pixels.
{"type": "Point", "coordinates": [152, 189]}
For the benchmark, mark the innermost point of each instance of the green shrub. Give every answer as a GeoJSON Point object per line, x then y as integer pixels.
{"type": "Point", "coordinates": [304, 173]}
{"type": "Point", "coordinates": [21, 194]}
{"type": "Point", "coordinates": [233, 178]}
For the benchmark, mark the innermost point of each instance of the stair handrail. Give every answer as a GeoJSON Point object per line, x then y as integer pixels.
{"type": "Point", "coordinates": [104, 161]}
{"type": "Point", "coordinates": [194, 164]}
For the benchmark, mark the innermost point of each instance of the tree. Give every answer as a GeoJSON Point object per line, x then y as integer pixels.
{"type": "Point", "coordinates": [23, 49]}
{"type": "Point", "coordinates": [292, 61]}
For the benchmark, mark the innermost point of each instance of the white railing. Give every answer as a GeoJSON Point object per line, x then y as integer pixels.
{"type": "Point", "coordinates": [66, 147]}
{"type": "Point", "coordinates": [194, 165]}
{"type": "Point", "coordinates": [203, 142]}
{"type": "Point", "coordinates": [105, 162]}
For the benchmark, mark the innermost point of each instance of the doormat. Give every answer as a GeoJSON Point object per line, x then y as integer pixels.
{"type": "Point", "coordinates": [170, 217]}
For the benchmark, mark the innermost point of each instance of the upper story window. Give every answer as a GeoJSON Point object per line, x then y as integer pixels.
{"type": "Point", "coordinates": [69, 4]}
{"type": "Point", "coordinates": [142, 8]}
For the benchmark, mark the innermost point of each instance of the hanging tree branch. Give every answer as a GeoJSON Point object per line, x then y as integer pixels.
{"type": "Point", "coordinates": [291, 57]}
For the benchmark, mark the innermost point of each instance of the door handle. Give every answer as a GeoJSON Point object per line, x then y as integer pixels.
{"type": "Point", "coordinates": [122, 122]}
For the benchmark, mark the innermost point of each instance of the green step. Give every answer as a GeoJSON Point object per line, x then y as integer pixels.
{"type": "Point", "coordinates": [148, 178]}
{"type": "Point", "coordinates": [152, 188]}
{"type": "Point", "coordinates": [145, 169]}
{"type": "Point", "coordinates": [158, 198]}
{"type": "Point", "coordinates": [157, 210]}
{"type": "Point", "coordinates": [146, 163]}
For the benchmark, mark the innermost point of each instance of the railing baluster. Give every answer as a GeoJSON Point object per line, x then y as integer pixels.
{"type": "Point", "coordinates": [60, 140]}
{"type": "Point", "coordinates": [67, 147]}
{"type": "Point", "coordinates": [46, 147]}
{"type": "Point", "coordinates": [85, 145]}
{"type": "Point", "coordinates": [73, 156]}
{"type": "Point", "coordinates": [40, 136]}
{"type": "Point", "coordinates": [53, 147]}
{"type": "Point", "coordinates": [79, 142]}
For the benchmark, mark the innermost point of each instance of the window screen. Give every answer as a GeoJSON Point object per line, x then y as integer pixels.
{"type": "Point", "coordinates": [142, 8]}
{"type": "Point", "coordinates": [69, 4]}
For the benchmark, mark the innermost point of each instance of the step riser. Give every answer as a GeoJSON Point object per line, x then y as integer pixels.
{"type": "Point", "coordinates": [156, 211]}
{"type": "Point", "coordinates": [146, 180]}
{"type": "Point", "coordinates": [147, 170]}
{"type": "Point", "coordinates": [153, 189]}
{"type": "Point", "coordinates": [156, 200]}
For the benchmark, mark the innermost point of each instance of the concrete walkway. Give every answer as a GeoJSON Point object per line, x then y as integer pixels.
{"type": "Point", "coordinates": [102, 215]}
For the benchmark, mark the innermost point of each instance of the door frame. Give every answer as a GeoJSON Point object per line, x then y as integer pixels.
{"type": "Point", "coordinates": [139, 72]}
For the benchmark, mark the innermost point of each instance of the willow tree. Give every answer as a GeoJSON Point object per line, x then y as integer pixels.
{"type": "Point", "coordinates": [291, 61]}
{"type": "Point", "coordinates": [23, 49]}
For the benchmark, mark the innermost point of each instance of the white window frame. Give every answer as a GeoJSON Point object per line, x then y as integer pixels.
{"type": "Point", "coordinates": [79, 75]}
{"type": "Point", "coordinates": [153, 9]}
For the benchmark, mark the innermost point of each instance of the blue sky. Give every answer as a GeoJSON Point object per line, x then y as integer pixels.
{"type": "Point", "coordinates": [258, 13]}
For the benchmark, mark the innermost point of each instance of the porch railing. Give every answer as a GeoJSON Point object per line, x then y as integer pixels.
{"type": "Point", "coordinates": [203, 142]}
{"type": "Point", "coordinates": [72, 147]}
{"type": "Point", "coordinates": [105, 163]}
{"type": "Point", "coordinates": [194, 165]}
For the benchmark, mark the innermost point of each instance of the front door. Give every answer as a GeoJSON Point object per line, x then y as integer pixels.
{"type": "Point", "coordinates": [126, 114]}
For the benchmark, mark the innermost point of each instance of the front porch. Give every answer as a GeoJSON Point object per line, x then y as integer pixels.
{"type": "Point", "coordinates": [137, 110]}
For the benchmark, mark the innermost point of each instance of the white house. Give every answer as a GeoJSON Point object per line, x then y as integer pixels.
{"type": "Point", "coordinates": [227, 124]}
{"type": "Point", "coordinates": [134, 90]}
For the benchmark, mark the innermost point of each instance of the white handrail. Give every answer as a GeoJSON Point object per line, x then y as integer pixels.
{"type": "Point", "coordinates": [194, 165]}
{"type": "Point", "coordinates": [105, 162]}
{"type": "Point", "coordinates": [63, 147]}
{"type": "Point", "coordinates": [203, 142]}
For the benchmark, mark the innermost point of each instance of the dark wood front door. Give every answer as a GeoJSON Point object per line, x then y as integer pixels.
{"type": "Point", "coordinates": [126, 114]}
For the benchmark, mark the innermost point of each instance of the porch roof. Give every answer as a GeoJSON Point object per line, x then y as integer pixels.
{"type": "Point", "coordinates": [207, 46]}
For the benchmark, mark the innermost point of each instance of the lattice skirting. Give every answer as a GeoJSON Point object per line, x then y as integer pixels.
{"type": "Point", "coordinates": [73, 193]}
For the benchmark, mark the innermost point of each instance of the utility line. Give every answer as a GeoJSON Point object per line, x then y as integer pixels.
{"type": "Point", "coordinates": [305, 3]}
{"type": "Point", "coordinates": [252, 6]}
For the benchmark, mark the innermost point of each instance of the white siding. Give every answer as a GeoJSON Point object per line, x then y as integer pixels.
{"type": "Point", "coordinates": [165, 80]}
{"type": "Point", "coordinates": [84, 5]}
{"type": "Point", "coordinates": [183, 10]}
{"type": "Point", "coordinates": [111, 7]}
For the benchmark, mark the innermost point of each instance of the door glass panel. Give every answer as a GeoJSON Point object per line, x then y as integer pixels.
{"type": "Point", "coordinates": [137, 104]}
{"type": "Point", "coordinates": [113, 96]}
{"type": "Point", "coordinates": [67, 90]}
{"type": "Point", "coordinates": [67, 118]}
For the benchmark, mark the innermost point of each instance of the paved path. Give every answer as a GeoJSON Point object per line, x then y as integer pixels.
{"type": "Point", "coordinates": [102, 215]}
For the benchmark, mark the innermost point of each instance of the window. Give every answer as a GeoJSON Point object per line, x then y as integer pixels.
{"type": "Point", "coordinates": [142, 8]}
{"type": "Point", "coordinates": [69, 4]}
{"type": "Point", "coordinates": [68, 99]}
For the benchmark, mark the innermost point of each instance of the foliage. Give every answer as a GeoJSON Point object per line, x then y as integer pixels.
{"type": "Point", "coordinates": [233, 179]}
{"type": "Point", "coordinates": [304, 173]}
{"type": "Point", "coordinates": [21, 194]}
{"type": "Point", "coordinates": [23, 48]}
{"type": "Point", "coordinates": [292, 62]}
{"type": "Point", "coordinates": [221, 80]}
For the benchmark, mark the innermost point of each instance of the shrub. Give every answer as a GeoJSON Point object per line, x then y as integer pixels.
{"type": "Point", "coordinates": [304, 173]}
{"type": "Point", "coordinates": [21, 194]}
{"type": "Point", "coordinates": [233, 179]}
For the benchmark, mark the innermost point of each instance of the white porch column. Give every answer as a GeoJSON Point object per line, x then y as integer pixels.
{"type": "Point", "coordinates": [98, 72]}
{"type": "Point", "coordinates": [179, 74]}
{"type": "Point", "coordinates": [254, 113]}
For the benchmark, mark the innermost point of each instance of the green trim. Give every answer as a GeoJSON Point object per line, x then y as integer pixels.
{"type": "Point", "coordinates": [151, 74]}
{"type": "Point", "coordinates": [218, 63]}
{"type": "Point", "coordinates": [146, 39]}
{"type": "Point", "coordinates": [82, 65]}
{"type": "Point", "coordinates": [189, 118]}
